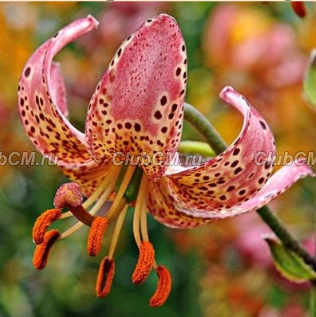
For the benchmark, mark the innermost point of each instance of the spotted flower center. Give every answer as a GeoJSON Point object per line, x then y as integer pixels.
{"type": "Point", "coordinates": [128, 180]}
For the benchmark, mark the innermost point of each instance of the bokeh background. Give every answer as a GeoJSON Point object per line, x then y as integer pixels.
{"type": "Point", "coordinates": [222, 270]}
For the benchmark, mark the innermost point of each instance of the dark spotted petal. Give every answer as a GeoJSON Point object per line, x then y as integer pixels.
{"type": "Point", "coordinates": [231, 183]}
{"type": "Point", "coordinates": [138, 104]}
{"type": "Point", "coordinates": [163, 210]}
{"type": "Point", "coordinates": [43, 108]}
{"type": "Point", "coordinates": [162, 203]}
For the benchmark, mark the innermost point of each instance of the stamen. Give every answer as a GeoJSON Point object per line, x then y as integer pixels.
{"type": "Point", "coordinates": [105, 277]}
{"type": "Point", "coordinates": [42, 250]}
{"type": "Point", "coordinates": [139, 210]}
{"type": "Point", "coordinates": [110, 182]}
{"type": "Point", "coordinates": [43, 222]}
{"type": "Point", "coordinates": [145, 262]}
{"type": "Point", "coordinates": [69, 196]}
{"type": "Point", "coordinates": [117, 201]}
{"type": "Point", "coordinates": [163, 287]}
{"type": "Point", "coordinates": [96, 234]}
{"type": "Point", "coordinates": [118, 227]}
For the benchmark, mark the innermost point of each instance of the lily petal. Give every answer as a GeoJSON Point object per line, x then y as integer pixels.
{"type": "Point", "coordinates": [164, 209]}
{"type": "Point", "coordinates": [43, 108]}
{"type": "Point", "coordinates": [138, 104]}
{"type": "Point", "coordinates": [231, 183]}
{"type": "Point", "coordinates": [234, 175]}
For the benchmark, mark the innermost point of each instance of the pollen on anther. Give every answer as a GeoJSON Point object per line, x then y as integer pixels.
{"type": "Point", "coordinates": [145, 262]}
{"type": "Point", "coordinates": [105, 277]}
{"type": "Point", "coordinates": [42, 250]}
{"type": "Point", "coordinates": [43, 222]}
{"type": "Point", "coordinates": [96, 234]}
{"type": "Point", "coordinates": [163, 287]}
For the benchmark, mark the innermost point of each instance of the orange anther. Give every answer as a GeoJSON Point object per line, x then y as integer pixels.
{"type": "Point", "coordinates": [145, 262]}
{"type": "Point", "coordinates": [42, 250]}
{"type": "Point", "coordinates": [96, 233]}
{"type": "Point", "coordinates": [163, 287]}
{"type": "Point", "coordinates": [105, 277]}
{"type": "Point", "coordinates": [43, 222]}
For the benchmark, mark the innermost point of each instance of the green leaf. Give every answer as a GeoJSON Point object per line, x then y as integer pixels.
{"type": "Point", "coordinates": [309, 83]}
{"type": "Point", "coordinates": [289, 264]}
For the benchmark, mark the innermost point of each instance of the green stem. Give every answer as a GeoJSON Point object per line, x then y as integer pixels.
{"type": "Point", "coordinates": [312, 301]}
{"type": "Point", "coordinates": [194, 117]}
{"type": "Point", "coordinates": [196, 147]}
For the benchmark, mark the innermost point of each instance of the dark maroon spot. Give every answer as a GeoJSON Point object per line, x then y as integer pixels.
{"type": "Point", "coordinates": [236, 151]}
{"type": "Point", "coordinates": [182, 92]}
{"type": "Point", "coordinates": [242, 192]}
{"type": "Point", "coordinates": [164, 129]}
{"type": "Point", "coordinates": [21, 102]}
{"type": "Point", "coordinates": [226, 163]}
{"type": "Point", "coordinates": [23, 113]}
{"type": "Point", "coordinates": [230, 188]}
{"type": "Point", "coordinates": [178, 71]}
{"type": "Point", "coordinates": [184, 75]}
{"type": "Point", "coordinates": [237, 170]}
{"type": "Point", "coordinates": [119, 52]}
{"type": "Point", "coordinates": [183, 48]}
{"type": "Point", "coordinates": [137, 127]}
{"type": "Point", "coordinates": [261, 180]}
{"type": "Point", "coordinates": [185, 61]}
{"type": "Point", "coordinates": [119, 126]}
{"type": "Point", "coordinates": [171, 115]}
{"type": "Point", "coordinates": [267, 165]}
{"type": "Point", "coordinates": [234, 164]}
{"type": "Point", "coordinates": [158, 115]}
{"type": "Point", "coordinates": [206, 178]}
{"type": "Point", "coordinates": [222, 197]}
{"type": "Point", "coordinates": [108, 121]}
{"type": "Point", "coordinates": [112, 63]}
{"type": "Point", "coordinates": [212, 185]}
{"type": "Point", "coordinates": [163, 100]}
{"type": "Point", "coordinates": [32, 129]}
{"type": "Point", "coordinates": [174, 107]}
{"type": "Point", "coordinates": [56, 34]}
{"type": "Point", "coordinates": [27, 72]}
{"type": "Point", "coordinates": [128, 125]}
{"type": "Point", "coordinates": [263, 125]}
{"type": "Point", "coordinates": [149, 20]}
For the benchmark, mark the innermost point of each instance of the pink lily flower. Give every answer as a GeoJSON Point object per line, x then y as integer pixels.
{"type": "Point", "coordinates": [137, 109]}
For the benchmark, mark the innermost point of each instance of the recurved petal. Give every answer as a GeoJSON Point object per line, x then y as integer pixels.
{"type": "Point", "coordinates": [138, 104]}
{"type": "Point", "coordinates": [42, 101]}
{"type": "Point", "coordinates": [232, 177]}
{"type": "Point", "coordinates": [163, 210]}
{"type": "Point", "coordinates": [43, 110]}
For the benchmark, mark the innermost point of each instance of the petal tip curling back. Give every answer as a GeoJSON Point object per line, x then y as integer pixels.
{"type": "Point", "coordinates": [42, 101]}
